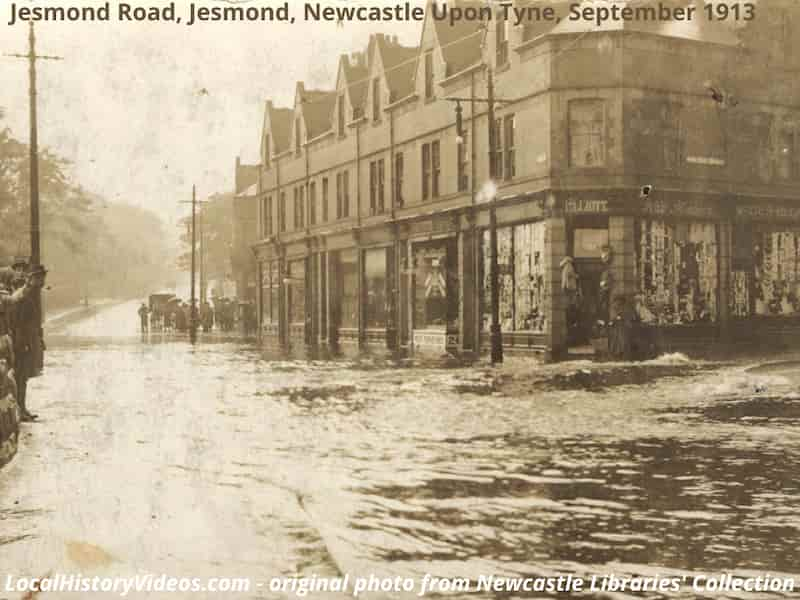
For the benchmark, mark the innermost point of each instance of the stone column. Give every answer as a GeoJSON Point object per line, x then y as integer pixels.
{"type": "Point", "coordinates": [621, 238]}
{"type": "Point", "coordinates": [555, 251]}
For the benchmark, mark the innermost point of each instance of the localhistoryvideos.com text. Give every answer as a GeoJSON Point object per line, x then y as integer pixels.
{"type": "Point", "coordinates": [124, 585]}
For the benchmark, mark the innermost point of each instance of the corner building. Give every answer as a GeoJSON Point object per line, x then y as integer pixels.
{"type": "Point", "coordinates": [374, 214]}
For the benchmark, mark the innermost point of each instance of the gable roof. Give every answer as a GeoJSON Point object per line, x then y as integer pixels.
{"type": "Point", "coordinates": [460, 44]}
{"type": "Point", "coordinates": [399, 65]}
{"type": "Point", "coordinates": [316, 107]}
{"type": "Point", "coordinates": [355, 80]}
{"type": "Point", "coordinates": [278, 121]}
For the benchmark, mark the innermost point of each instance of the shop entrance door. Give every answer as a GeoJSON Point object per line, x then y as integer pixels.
{"type": "Point", "coordinates": [588, 242]}
{"type": "Point", "coordinates": [590, 307]}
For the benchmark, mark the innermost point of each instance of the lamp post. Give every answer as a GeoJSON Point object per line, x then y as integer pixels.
{"type": "Point", "coordinates": [489, 193]}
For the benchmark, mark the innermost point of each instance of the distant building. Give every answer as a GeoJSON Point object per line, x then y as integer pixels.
{"type": "Point", "coordinates": [672, 149]}
{"type": "Point", "coordinates": [245, 231]}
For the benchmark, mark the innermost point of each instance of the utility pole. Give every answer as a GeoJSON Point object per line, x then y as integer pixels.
{"type": "Point", "coordinates": [36, 258]}
{"type": "Point", "coordinates": [496, 335]}
{"type": "Point", "coordinates": [496, 332]}
{"type": "Point", "coordinates": [192, 305]}
{"type": "Point", "coordinates": [202, 259]}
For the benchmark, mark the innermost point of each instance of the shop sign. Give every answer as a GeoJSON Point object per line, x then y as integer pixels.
{"type": "Point", "coordinates": [682, 208]}
{"type": "Point", "coordinates": [756, 211]}
{"type": "Point", "coordinates": [575, 206]}
{"type": "Point", "coordinates": [444, 223]}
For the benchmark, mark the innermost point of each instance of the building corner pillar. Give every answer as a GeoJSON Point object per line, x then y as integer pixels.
{"type": "Point", "coordinates": [555, 251]}
{"type": "Point", "coordinates": [621, 239]}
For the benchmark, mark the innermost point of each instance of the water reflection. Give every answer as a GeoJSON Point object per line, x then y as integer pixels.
{"type": "Point", "coordinates": [235, 462]}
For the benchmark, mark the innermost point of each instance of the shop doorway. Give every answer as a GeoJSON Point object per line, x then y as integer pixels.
{"type": "Point", "coordinates": [587, 243]}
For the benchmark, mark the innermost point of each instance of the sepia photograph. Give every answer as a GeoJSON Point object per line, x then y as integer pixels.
{"type": "Point", "coordinates": [448, 299]}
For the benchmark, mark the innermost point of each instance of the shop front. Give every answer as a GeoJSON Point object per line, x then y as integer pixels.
{"type": "Point", "coordinates": [765, 282]}
{"type": "Point", "coordinates": [524, 285]}
{"type": "Point", "coordinates": [379, 298]}
{"type": "Point", "coordinates": [344, 306]}
{"type": "Point", "coordinates": [270, 302]}
{"type": "Point", "coordinates": [434, 298]}
{"type": "Point", "coordinates": [296, 302]}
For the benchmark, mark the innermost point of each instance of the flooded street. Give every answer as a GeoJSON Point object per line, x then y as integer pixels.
{"type": "Point", "coordinates": [154, 456]}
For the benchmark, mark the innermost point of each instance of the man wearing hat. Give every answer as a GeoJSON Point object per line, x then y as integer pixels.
{"type": "Point", "coordinates": [26, 333]}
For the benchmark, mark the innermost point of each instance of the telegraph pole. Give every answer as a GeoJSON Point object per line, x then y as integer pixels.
{"type": "Point", "coordinates": [496, 332]}
{"type": "Point", "coordinates": [494, 280]}
{"type": "Point", "coordinates": [202, 259]}
{"type": "Point", "coordinates": [192, 307]}
{"type": "Point", "coordinates": [36, 257]}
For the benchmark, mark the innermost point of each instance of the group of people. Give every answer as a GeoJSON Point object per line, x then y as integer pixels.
{"type": "Point", "coordinates": [21, 341]}
{"type": "Point", "coordinates": [177, 315]}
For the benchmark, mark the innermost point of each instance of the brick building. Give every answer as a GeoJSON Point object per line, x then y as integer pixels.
{"type": "Point", "coordinates": [373, 214]}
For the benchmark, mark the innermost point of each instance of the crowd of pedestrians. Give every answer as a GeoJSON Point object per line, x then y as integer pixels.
{"type": "Point", "coordinates": [176, 315]}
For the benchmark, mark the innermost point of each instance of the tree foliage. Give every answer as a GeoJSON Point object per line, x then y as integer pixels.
{"type": "Point", "coordinates": [108, 250]}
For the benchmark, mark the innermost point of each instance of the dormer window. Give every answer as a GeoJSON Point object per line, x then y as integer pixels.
{"type": "Point", "coordinates": [429, 75]}
{"type": "Point", "coordinates": [502, 42]}
{"type": "Point", "coordinates": [376, 99]}
{"type": "Point", "coordinates": [340, 114]}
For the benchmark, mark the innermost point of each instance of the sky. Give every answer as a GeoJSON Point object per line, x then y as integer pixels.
{"type": "Point", "coordinates": [128, 104]}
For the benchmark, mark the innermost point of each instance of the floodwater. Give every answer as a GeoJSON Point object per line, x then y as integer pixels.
{"type": "Point", "coordinates": [155, 456]}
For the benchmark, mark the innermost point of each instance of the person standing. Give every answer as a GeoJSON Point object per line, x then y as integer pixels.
{"type": "Point", "coordinates": [26, 334]}
{"type": "Point", "coordinates": [143, 315]}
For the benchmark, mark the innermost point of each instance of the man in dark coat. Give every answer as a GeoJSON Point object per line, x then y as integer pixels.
{"type": "Point", "coordinates": [25, 328]}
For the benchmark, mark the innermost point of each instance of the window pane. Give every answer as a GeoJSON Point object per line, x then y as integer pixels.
{"type": "Point", "coordinates": [587, 132]}
{"type": "Point", "coordinates": [297, 291]}
{"type": "Point", "coordinates": [375, 282]}
{"type": "Point", "coordinates": [435, 280]}
{"type": "Point", "coordinates": [676, 272]}
{"type": "Point", "coordinates": [532, 293]}
{"type": "Point", "coordinates": [348, 271]}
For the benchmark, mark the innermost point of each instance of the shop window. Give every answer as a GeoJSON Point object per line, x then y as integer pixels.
{"type": "Point", "coordinates": [435, 285]}
{"type": "Point", "coordinates": [677, 272]}
{"type": "Point", "coordinates": [524, 287]}
{"type": "Point", "coordinates": [348, 273]}
{"type": "Point", "coordinates": [270, 287]}
{"type": "Point", "coordinates": [375, 287]}
{"type": "Point", "coordinates": [587, 144]}
{"type": "Point", "coordinates": [297, 291]}
{"type": "Point", "coordinates": [770, 284]}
